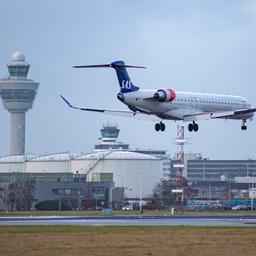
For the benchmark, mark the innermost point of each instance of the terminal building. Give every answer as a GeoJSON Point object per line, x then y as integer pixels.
{"type": "Point", "coordinates": [218, 179]}
{"type": "Point", "coordinates": [218, 170]}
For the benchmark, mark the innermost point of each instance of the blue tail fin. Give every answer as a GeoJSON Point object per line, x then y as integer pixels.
{"type": "Point", "coordinates": [124, 80]}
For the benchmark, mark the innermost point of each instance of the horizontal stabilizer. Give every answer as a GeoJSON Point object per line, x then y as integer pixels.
{"type": "Point", "coordinates": [111, 65]}
{"type": "Point", "coordinates": [125, 83]}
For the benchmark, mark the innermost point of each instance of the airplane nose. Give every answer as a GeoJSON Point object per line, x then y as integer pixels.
{"type": "Point", "coordinates": [120, 96]}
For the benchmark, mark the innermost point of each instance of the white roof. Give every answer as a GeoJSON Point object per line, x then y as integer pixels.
{"type": "Point", "coordinates": [106, 154]}
{"type": "Point", "coordinates": [117, 155]}
{"type": "Point", "coordinates": [54, 157]}
{"type": "Point", "coordinates": [16, 158]}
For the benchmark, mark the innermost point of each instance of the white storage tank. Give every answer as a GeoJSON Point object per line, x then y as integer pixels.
{"type": "Point", "coordinates": [128, 169]}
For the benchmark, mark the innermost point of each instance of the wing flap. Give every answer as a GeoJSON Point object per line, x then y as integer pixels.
{"type": "Point", "coordinates": [213, 115]}
{"type": "Point", "coordinates": [245, 111]}
{"type": "Point", "coordinates": [197, 117]}
{"type": "Point", "coordinates": [207, 116]}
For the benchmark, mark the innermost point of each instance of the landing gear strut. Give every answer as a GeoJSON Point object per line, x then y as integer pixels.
{"type": "Point", "coordinates": [160, 127]}
{"type": "Point", "coordinates": [243, 126]}
{"type": "Point", "coordinates": [193, 127]}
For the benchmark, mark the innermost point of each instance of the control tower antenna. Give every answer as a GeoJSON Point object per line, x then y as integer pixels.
{"type": "Point", "coordinates": [18, 94]}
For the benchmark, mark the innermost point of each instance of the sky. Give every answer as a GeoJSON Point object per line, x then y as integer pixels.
{"type": "Point", "coordinates": [201, 46]}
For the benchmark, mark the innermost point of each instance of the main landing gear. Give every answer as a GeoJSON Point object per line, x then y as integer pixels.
{"type": "Point", "coordinates": [193, 127]}
{"type": "Point", "coordinates": [160, 127]}
{"type": "Point", "coordinates": [243, 126]}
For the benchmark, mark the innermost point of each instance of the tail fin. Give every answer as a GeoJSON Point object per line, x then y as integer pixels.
{"type": "Point", "coordinates": [124, 80]}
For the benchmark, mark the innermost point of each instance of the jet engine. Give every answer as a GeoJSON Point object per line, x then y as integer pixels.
{"type": "Point", "coordinates": [165, 95]}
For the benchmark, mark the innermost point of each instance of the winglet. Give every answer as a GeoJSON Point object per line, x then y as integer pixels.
{"type": "Point", "coordinates": [67, 102]}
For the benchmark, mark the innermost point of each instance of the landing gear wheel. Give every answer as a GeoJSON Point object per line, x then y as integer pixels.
{"type": "Point", "coordinates": [193, 127]}
{"type": "Point", "coordinates": [162, 127]}
{"type": "Point", "coordinates": [190, 127]}
{"type": "Point", "coordinates": [243, 126]}
{"type": "Point", "coordinates": [157, 127]}
{"type": "Point", "coordinates": [196, 127]}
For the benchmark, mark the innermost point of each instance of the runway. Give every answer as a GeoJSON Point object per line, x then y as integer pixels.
{"type": "Point", "coordinates": [241, 221]}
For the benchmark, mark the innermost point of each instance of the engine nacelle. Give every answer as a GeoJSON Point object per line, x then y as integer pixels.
{"type": "Point", "coordinates": [165, 95]}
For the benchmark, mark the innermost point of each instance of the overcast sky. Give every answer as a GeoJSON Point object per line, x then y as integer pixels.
{"type": "Point", "coordinates": [202, 46]}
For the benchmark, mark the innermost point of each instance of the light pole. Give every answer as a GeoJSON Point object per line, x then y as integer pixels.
{"type": "Point", "coordinates": [251, 197]}
{"type": "Point", "coordinates": [227, 178]}
{"type": "Point", "coordinates": [252, 192]}
{"type": "Point", "coordinates": [122, 186]}
{"type": "Point", "coordinates": [248, 171]}
{"type": "Point", "coordinates": [79, 199]}
{"type": "Point", "coordinates": [209, 195]}
{"type": "Point", "coordinates": [229, 190]}
{"type": "Point", "coordinates": [140, 192]}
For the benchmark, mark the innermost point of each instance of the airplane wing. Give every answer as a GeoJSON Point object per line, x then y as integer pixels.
{"type": "Point", "coordinates": [124, 113]}
{"type": "Point", "coordinates": [245, 111]}
{"type": "Point", "coordinates": [213, 115]}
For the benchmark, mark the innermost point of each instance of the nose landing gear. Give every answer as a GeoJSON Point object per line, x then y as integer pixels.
{"type": "Point", "coordinates": [160, 127]}
{"type": "Point", "coordinates": [193, 127]}
{"type": "Point", "coordinates": [243, 125]}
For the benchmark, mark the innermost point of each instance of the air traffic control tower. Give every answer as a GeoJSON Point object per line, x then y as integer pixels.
{"type": "Point", "coordinates": [18, 94]}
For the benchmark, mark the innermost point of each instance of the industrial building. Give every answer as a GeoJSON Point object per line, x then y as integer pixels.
{"type": "Point", "coordinates": [222, 179]}
{"type": "Point", "coordinates": [216, 170]}
{"type": "Point", "coordinates": [127, 168]}
{"type": "Point", "coordinates": [73, 193]}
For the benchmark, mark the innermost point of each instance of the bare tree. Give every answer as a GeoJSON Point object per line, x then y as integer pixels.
{"type": "Point", "coordinates": [162, 195]}
{"type": "Point", "coordinates": [21, 195]}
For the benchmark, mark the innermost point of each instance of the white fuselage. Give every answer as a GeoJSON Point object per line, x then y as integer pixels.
{"type": "Point", "coordinates": [186, 103]}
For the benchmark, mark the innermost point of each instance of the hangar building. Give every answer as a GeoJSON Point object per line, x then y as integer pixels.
{"type": "Point", "coordinates": [127, 168]}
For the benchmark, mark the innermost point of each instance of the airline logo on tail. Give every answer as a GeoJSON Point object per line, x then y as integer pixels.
{"type": "Point", "coordinates": [127, 85]}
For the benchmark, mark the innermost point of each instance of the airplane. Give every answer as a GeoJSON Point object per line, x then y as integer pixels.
{"type": "Point", "coordinates": [168, 104]}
